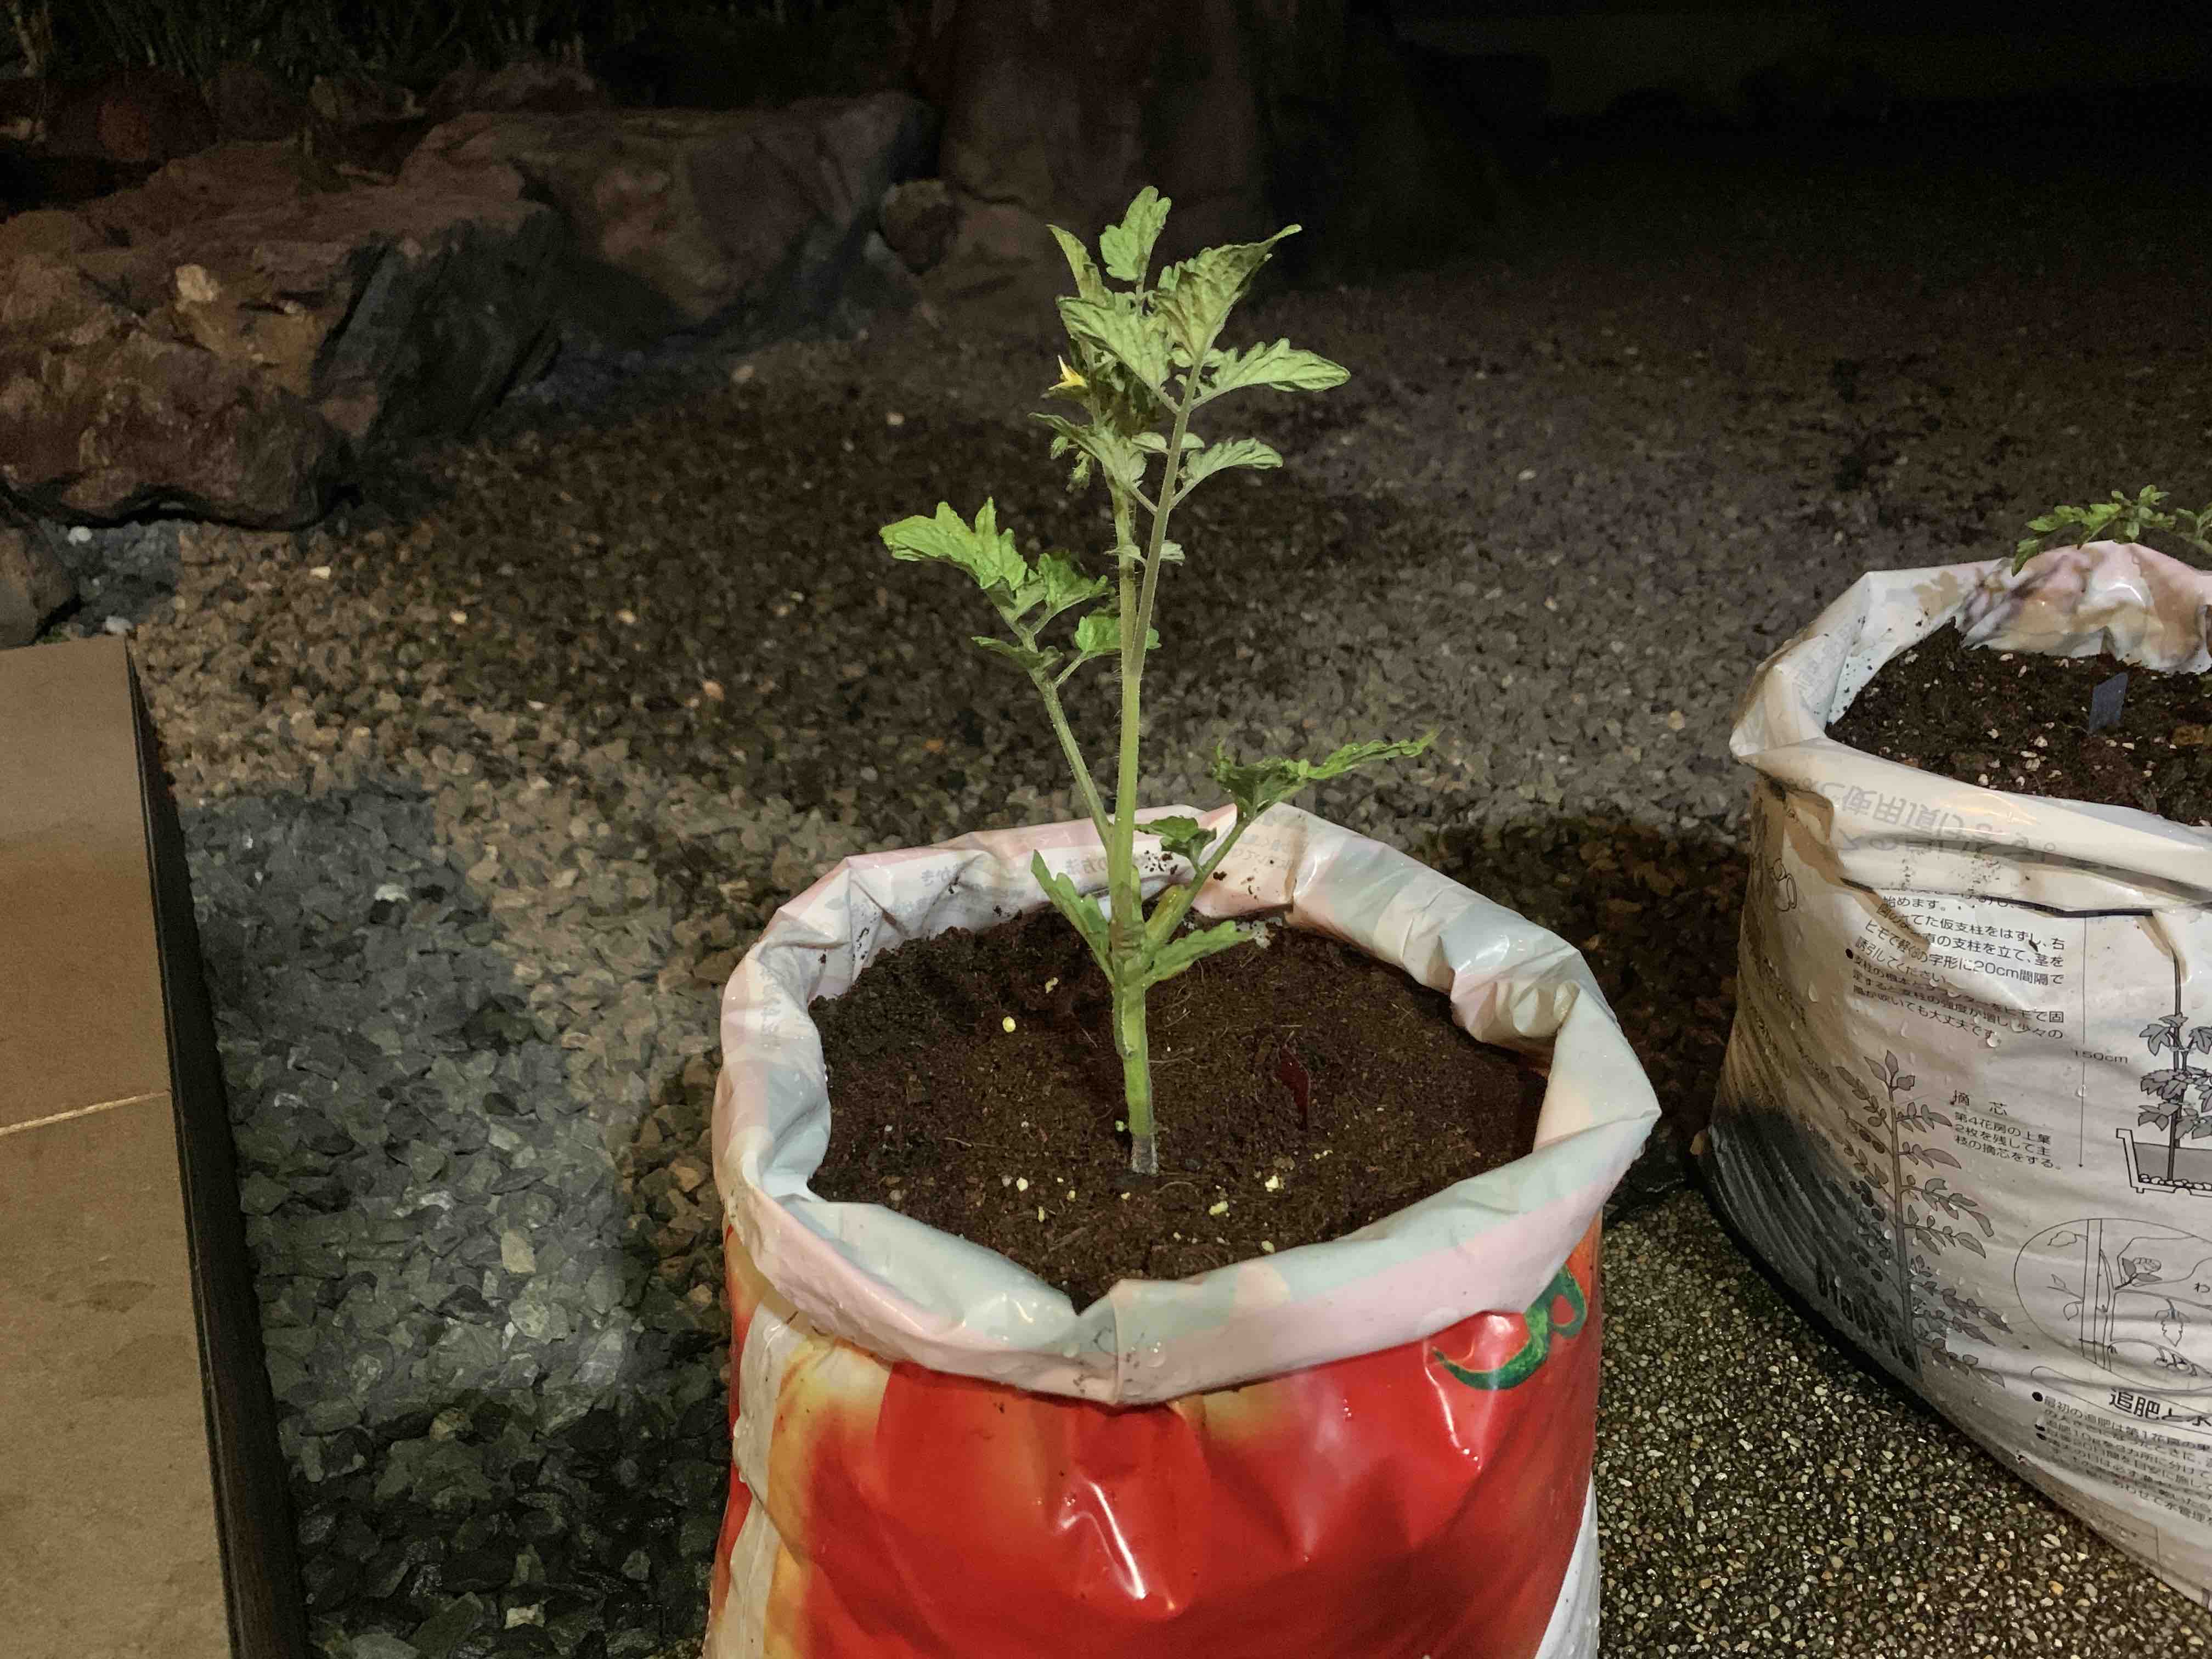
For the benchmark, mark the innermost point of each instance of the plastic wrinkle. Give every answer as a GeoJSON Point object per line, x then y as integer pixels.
{"type": "Point", "coordinates": [1891, 826]}
{"type": "Point", "coordinates": [907, 1291]}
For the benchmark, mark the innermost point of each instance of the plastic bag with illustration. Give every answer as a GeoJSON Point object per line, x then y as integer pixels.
{"type": "Point", "coordinates": [1957, 1109]}
{"type": "Point", "coordinates": [1375, 1448]}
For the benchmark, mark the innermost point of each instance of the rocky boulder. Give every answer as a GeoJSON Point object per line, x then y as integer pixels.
{"type": "Point", "coordinates": [33, 583]}
{"type": "Point", "coordinates": [1064, 110]}
{"type": "Point", "coordinates": [133, 115]}
{"type": "Point", "coordinates": [229, 339]}
{"type": "Point", "coordinates": [683, 218]}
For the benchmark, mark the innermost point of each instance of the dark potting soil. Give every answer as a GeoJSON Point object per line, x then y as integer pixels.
{"type": "Point", "coordinates": [2018, 720]}
{"type": "Point", "coordinates": [1302, 1090]}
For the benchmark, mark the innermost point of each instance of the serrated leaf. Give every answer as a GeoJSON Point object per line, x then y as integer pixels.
{"type": "Point", "coordinates": [1058, 585]}
{"type": "Point", "coordinates": [1080, 908]}
{"type": "Point", "coordinates": [1283, 366]}
{"type": "Point", "coordinates": [1134, 342]}
{"type": "Point", "coordinates": [1234, 452]}
{"type": "Point", "coordinates": [1180, 952]}
{"type": "Point", "coordinates": [1258, 785]}
{"type": "Point", "coordinates": [1127, 247]}
{"type": "Point", "coordinates": [1184, 838]}
{"type": "Point", "coordinates": [1195, 297]}
{"type": "Point", "coordinates": [1908, 1084]}
{"type": "Point", "coordinates": [1029, 659]}
{"type": "Point", "coordinates": [1099, 635]}
{"type": "Point", "coordinates": [1118, 458]}
{"type": "Point", "coordinates": [1156, 443]}
{"type": "Point", "coordinates": [982, 549]}
{"type": "Point", "coordinates": [1089, 284]}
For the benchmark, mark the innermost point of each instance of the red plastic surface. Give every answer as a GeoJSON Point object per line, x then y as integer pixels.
{"type": "Point", "coordinates": [1419, 1502]}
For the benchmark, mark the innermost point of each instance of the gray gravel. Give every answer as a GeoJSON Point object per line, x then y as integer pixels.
{"type": "Point", "coordinates": [488, 782]}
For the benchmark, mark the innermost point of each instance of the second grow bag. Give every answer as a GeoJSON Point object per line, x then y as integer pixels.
{"type": "Point", "coordinates": [1933, 1118]}
{"type": "Point", "coordinates": [1375, 1448]}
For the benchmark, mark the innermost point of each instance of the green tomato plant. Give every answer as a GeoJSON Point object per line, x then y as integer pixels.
{"type": "Point", "coordinates": [1145, 360]}
{"type": "Point", "coordinates": [2117, 519]}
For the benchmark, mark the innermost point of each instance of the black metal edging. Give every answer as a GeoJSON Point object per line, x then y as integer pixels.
{"type": "Point", "coordinates": [253, 1513]}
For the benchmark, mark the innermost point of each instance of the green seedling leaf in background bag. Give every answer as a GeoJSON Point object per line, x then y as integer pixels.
{"type": "Point", "coordinates": [1141, 359]}
{"type": "Point", "coordinates": [2116, 518]}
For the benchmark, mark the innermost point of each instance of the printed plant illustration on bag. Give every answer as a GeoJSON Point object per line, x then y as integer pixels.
{"type": "Point", "coordinates": [2129, 1295]}
{"type": "Point", "coordinates": [2182, 1106]}
{"type": "Point", "coordinates": [1910, 1212]}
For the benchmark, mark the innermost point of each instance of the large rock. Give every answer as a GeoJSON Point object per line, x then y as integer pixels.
{"type": "Point", "coordinates": [1247, 113]}
{"type": "Point", "coordinates": [686, 217]}
{"type": "Point", "coordinates": [134, 115]}
{"type": "Point", "coordinates": [33, 584]}
{"type": "Point", "coordinates": [228, 338]}
{"type": "Point", "coordinates": [1064, 110]}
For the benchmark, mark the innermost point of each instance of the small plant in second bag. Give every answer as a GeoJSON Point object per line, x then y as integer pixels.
{"type": "Point", "coordinates": [2117, 519]}
{"type": "Point", "coordinates": [1145, 361]}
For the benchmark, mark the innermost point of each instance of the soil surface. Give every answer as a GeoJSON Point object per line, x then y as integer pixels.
{"type": "Point", "coordinates": [2017, 720]}
{"type": "Point", "coordinates": [1303, 1090]}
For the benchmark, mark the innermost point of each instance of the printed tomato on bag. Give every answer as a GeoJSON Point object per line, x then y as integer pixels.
{"type": "Point", "coordinates": [1375, 1448]}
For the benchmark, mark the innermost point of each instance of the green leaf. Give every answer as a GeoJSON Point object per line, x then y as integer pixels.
{"type": "Point", "coordinates": [1029, 660]}
{"type": "Point", "coordinates": [1134, 342]}
{"type": "Point", "coordinates": [1080, 909]}
{"type": "Point", "coordinates": [1120, 460]}
{"type": "Point", "coordinates": [1099, 635]}
{"type": "Point", "coordinates": [1180, 952]}
{"type": "Point", "coordinates": [1196, 296]}
{"type": "Point", "coordinates": [1128, 247]}
{"type": "Point", "coordinates": [1256, 787]}
{"type": "Point", "coordinates": [1156, 443]}
{"type": "Point", "coordinates": [1181, 837]}
{"type": "Point", "coordinates": [1088, 282]}
{"type": "Point", "coordinates": [984, 551]}
{"type": "Point", "coordinates": [1058, 585]}
{"type": "Point", "coordinates": [1235, 452]}
{"type": "Point", "coordinates": [1281, 365]}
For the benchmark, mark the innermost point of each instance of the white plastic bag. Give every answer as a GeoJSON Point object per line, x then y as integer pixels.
{"type": "Point", "coordinates": [836, 1307]}
{"type": "Point", "coordinates": [1931, 1118]}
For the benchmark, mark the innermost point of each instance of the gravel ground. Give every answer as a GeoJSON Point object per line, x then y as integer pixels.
{"type": "Point", "coordinates": [489, 781]}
